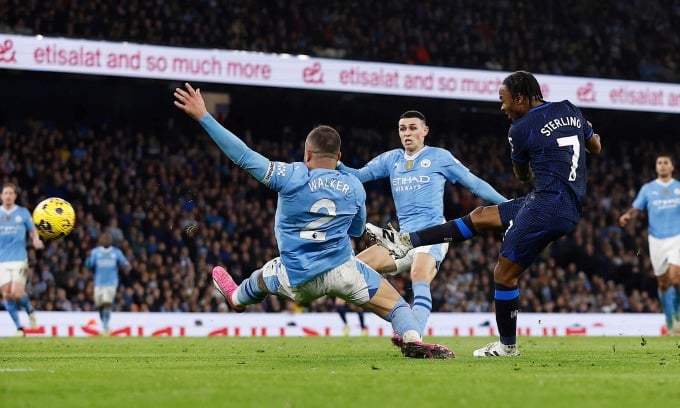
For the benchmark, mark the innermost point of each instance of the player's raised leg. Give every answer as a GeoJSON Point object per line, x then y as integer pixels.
{"type": "Point", "coordinates": [454, 231]}
{"type": "Point", "coordinates": [397, 243]}
{"type": "Point", "coordinates": [251, 291]}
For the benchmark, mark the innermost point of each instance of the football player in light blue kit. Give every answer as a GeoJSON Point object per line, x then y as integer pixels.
{"type": "Point", "coordinates": [105, 260]}
{"type": "Point", "coordinates": [661, 199]}
{"type": "Point", "coordinates": [318, 209]}
{"type": "Point", "coordinates": [15, 223]}
{"type": "Point", "coordinates": [418, 174]}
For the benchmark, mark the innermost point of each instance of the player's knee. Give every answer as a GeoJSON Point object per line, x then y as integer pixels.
{"type": "Point", "coordinates": [674, 275]}
{"type": "Point", "coordinates": [378, 258]}
{"type": "Point", "coordinates": [507, 272]}
{"type": "Point", "coordinates": [421, 275]}
{"type": "Point", "coordinates": [477, 215]}
{"type": "Point", "coordinates": [664, 281]}
{"type": "Point", "coordinates": [14, 295]}
{"type": "Point", "coordinates": [485, 218]}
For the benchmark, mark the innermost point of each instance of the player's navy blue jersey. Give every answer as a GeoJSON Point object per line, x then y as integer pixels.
{"type": "Point", "coordinates": [317, 211]}
{"type": "Point", "coordinates": [552, 138]}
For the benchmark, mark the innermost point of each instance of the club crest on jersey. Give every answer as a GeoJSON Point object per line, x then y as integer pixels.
{"type": "Point", "coordinates": [676, 191]}
{"type": "Point", "coordinates": [17, 218]}
{"type": "Point", "coordinates": [425, 163]}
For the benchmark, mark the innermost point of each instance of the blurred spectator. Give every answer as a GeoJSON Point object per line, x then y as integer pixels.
{"type": "Point", "coordinates": [617, 39]}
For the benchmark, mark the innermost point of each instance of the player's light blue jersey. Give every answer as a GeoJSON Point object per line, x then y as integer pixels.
{"type": "Point", "coordinates": [14, 225]}
{"type": "Point", "coordinates": [552, 138]}
{"type": "Point", "coordinates": [418, 182]}
{"type": "Point", "coordinates": [105, 263]}
{"type": "Point", "coordinates": [317, 209]}
{"type": "Point", "coordinates": [662, 203]}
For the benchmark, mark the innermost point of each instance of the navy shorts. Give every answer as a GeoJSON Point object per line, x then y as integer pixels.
{"type": "Point", "coordinates": [531, 224]}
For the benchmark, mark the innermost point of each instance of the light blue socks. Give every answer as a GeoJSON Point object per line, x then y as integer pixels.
{"type": "Point", "coordinates": [422, 304]}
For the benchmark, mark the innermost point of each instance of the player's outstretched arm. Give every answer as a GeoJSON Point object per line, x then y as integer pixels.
{"type": "Point", "coordinates": [191, 102]}
{"type": "Point", "coordinates": [364, 174]}
{"type": "Point", "coordinates": [480, 188]}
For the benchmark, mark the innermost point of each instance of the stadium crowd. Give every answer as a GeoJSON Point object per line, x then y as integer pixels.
{"type": "Point", "coordinates": [176, 208]}
{"type": "Point", "coordinates": [627, 39]}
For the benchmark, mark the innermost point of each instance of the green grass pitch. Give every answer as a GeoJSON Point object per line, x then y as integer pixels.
{"type": "Point", "coordinates": [335, 372]}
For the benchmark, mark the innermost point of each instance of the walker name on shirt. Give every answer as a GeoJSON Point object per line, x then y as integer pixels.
{"type": "Point", "coordinates": [327, 182]}
{"type": "Point", "coordinates": [554, 124]}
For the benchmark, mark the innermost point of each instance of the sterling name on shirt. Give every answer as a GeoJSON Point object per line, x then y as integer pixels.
{"type": "Point", "coordinates": [554, 124]}
{"type": "Point", "coordinates": [328, 182]}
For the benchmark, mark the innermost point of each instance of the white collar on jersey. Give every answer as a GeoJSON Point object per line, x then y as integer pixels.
{"type": "Point", "coordinates": [665, 184]}
{"type": "Point", "coordinates": [409, 157]}
{"type": "Point", "coordinates": [14, 207]}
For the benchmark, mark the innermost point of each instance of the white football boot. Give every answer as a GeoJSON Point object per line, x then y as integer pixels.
{"type": "Point", "coordinates": [396, 242]}
{"type": "Point", "coordinates": [496, 349]}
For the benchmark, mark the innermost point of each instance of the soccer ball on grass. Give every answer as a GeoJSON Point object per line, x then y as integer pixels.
{"type": "Point", "coordinates": [54, 218]}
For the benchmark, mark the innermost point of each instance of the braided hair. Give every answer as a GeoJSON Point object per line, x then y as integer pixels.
{"type": "Point", "coordinates": [523, 83]}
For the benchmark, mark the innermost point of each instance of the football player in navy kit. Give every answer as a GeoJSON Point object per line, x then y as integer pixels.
{"type": "Point", "coordinates": [549, 141]}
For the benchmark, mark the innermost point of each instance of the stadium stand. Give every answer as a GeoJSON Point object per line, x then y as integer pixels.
{"type": "Point", "coordinates": [630, 39]}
